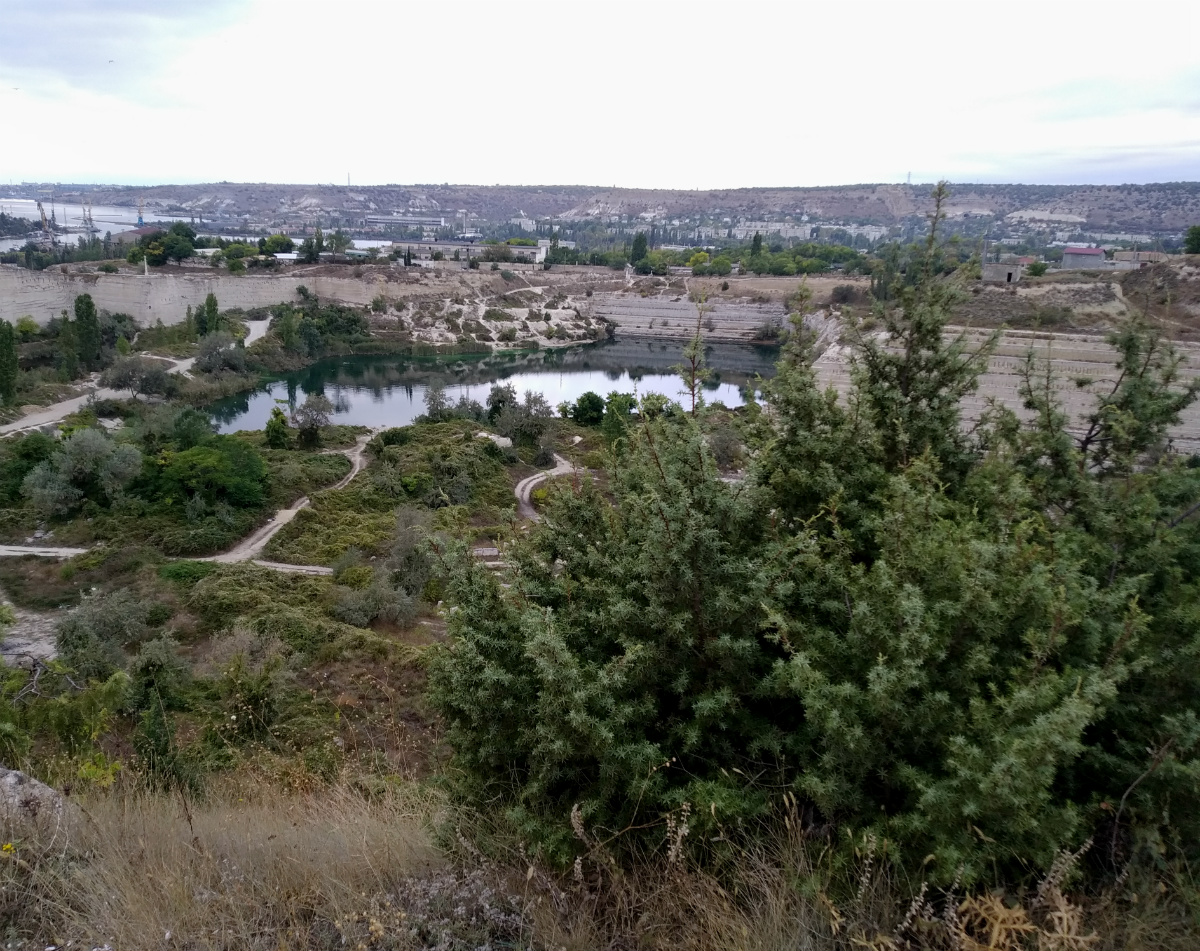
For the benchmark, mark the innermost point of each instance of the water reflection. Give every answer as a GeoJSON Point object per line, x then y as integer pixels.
{"type": "Point", "coordinates": [390, 391]}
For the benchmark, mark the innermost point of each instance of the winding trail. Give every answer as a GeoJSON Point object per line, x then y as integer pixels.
{"type": "Point", "coordinates": [59, 411]}
{"type": "Point", "coordinates": [32, 636]}
{"type": "Point", "coordinates": [255, 330]}
{"type": "Point", "coordinates": [249, 548]}
{"type": "Point", "coordinates": [525, 487]}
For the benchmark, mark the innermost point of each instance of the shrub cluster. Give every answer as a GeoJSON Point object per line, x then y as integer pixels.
{"type": "Point", "coordinates": [976, 648]}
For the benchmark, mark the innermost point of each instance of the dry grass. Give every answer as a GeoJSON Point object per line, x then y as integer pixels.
{"type": "Point", "coordinates": [267, 870]}
{"type": "Point", "coordinates": [260, 870]}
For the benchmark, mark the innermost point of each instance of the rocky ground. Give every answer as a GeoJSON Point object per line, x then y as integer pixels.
{"type": "Point", "coordinates": [31, 637]}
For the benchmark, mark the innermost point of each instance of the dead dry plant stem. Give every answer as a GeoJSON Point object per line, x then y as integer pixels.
{"type": "Point", "coordinates": [1159, 756]}
{"type": "Point", "coordinates": [663, 476]}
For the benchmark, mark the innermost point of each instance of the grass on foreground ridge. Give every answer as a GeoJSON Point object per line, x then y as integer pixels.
{"type": "Point", "coordinates": [254, 867]}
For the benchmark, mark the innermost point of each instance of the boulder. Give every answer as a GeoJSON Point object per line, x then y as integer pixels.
{"type": "Point", "coordinates": [27, 804]}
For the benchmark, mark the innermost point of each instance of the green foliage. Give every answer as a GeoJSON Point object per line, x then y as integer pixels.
{"type": "Point", "coordinates": [138, 375]}
{"type": "Point", "coordinates": [276, 431]}
{"type": "Point", "coordinates": [618, 409]}
{"type": "Point", "coordinates": [250, 695]}
{"type": "Point", "coordinates": [1037, 269]}
{"type": "Point", "coordinates": [162, 763]}
{"type": "Point", "coordinates": [639, 249]}
{"type": "Point", "coordinates": [87, 329]}
{"type": "Point", "coordinates": [186, 573]}
{"type": "Point", "coordinates": [223, 470]}
{"type": "Point", "coordinates": [208, 317]}
{"type": "Point", "coordinates": [158, 676]}
{"type": "Point", "coordinates": [74, 718]}
{"type": "Point", "coordinates": [279, 243]}
{"type": "Point", "coordinates": [980, 648]}
{"type": "Point", "coordinates": [219, 352]}
{"type": "Point", "coordinates": [310, 330]}
{"type": "Point", "coordinates": [88, 466]}
{"type": "Point", "coordinates": [1191, 240]}
{"type": "Point", "coordinates": [18, 456]}
{"type": "Point", "coordinates": [588, 409]}
{"type": "Point", "coordinates": [437, 466]}
{"type": "Point", "coordinates": [67, 350]}
{"type": "Point", "coordinates": [726, 446]}
{"type": "Point", "coordinates": [93, 637]}
{"type": "Point", "coordinates": [27, 329]}
{"type": "Point", "coordinates": [912, 381]}
{"type": "Point", "coordinates": [9, 368]}
{"type": "Point", "coordinates": [312, 416]}
{"type": "Point", "coordinates": [522, 421]}
{"type": "Point", "coordinates": [289, 609]}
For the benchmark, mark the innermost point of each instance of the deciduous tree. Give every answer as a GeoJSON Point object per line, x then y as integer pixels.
{"type": "Point", "coordinates": [311, 417]}
{"type": "Point", "coordinates": [588, 409]}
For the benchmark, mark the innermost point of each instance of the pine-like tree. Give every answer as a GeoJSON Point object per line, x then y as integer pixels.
{"type": "Point", "coordinates": [67, 349]}
{"type": "Point", "coordinates": [9, 368]}
{"type": "Point", "coordinates": [640, 248]}
{"type": "Point", "coordinates": [980, 650]}
{"type": "Point", "coordinates": [212, 316]}
{"type": "Point", "coordinates": [277, 433]}
{"type": "Point", "coordinates": [87, 332]}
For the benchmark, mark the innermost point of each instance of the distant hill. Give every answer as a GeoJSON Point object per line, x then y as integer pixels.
{"type": "Point", "coordinates": [1166, 207]}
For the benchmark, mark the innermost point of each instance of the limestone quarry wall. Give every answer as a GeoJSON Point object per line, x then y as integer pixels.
{"type": "Point", "coordinates": [162, 295]}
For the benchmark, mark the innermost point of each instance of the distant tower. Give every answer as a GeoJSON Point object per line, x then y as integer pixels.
{"type": "Point", "coordinates": [908, 179]}
{"type": "Point", "coordinates": [141, 223]}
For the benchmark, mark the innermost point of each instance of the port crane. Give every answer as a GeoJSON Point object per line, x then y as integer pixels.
{"type": "Point", "coordinates": [141, 223]}
{"type": "Point", "coordinates": [46, 238]}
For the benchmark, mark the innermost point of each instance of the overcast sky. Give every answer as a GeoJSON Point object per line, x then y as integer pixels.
{"type": "Point", "coordinates": [644, 94]}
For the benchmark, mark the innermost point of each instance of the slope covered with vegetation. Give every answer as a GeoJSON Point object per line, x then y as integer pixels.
{"type": "Point", "coordinates": [814, 673]}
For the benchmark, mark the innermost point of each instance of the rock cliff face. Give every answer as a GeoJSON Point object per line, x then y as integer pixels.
{"type": "Point", "coordinates": [161, 295]}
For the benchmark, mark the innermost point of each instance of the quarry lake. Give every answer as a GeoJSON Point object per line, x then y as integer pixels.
{"type": "Point", "coordinates": [390, 390]}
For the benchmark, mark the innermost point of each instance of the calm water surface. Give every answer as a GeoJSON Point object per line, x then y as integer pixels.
{"type": "Point", "coordinates": [114, 218]}
{"type": "Point", "coordinates": [390, 391]}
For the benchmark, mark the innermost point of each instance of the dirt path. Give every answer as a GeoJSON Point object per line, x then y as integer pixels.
{"type": "Point", "coordinates": [45, 551]}
{"type": "Point", "coordinates": [256, 330]}
{"type": "Point", "coordinates": [251, 547]}
{"type": "Point", "coordinates": [525, 487]}
{"type": "Point", "coordinates": [58, 411]}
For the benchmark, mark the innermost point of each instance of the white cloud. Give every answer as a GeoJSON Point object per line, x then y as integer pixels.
{"type": "Point", "coordinates": [639, 94]}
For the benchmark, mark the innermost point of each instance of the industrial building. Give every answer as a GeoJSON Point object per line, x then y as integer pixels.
{"type": "Point", "coordinates": [1082, 258]}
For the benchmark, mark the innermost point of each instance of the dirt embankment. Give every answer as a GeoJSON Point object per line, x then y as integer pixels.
{"type": "Point", "coordinates": [1093, 301]}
